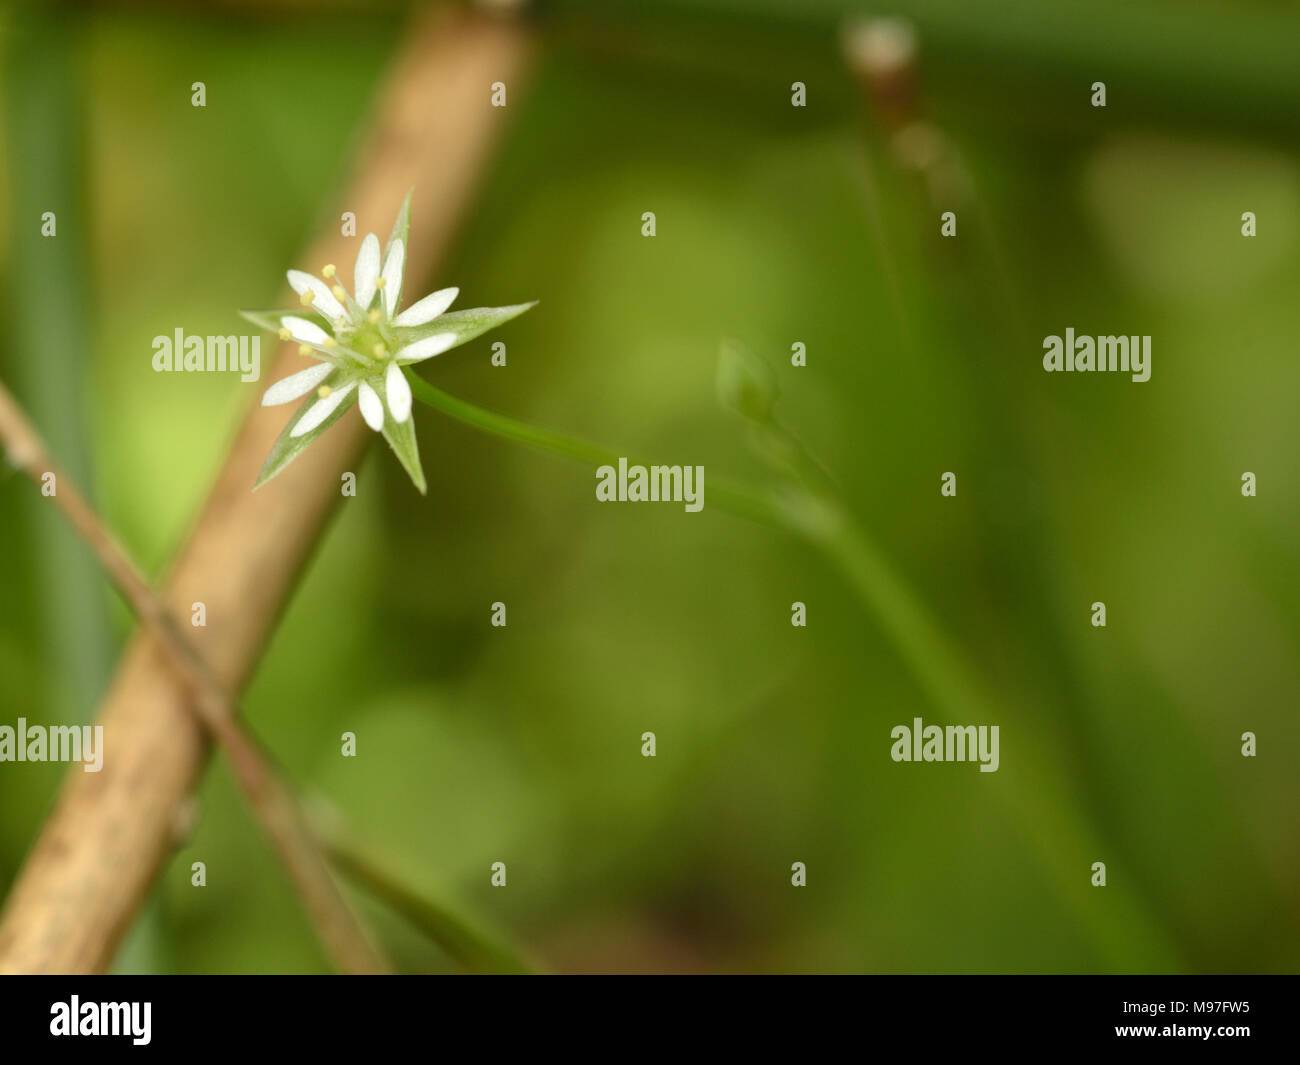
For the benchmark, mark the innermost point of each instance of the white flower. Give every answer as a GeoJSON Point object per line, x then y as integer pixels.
{"type": "Point", "coordinates": [361, 344]}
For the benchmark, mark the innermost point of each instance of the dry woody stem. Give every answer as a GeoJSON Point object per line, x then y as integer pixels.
{"type": "Point", "coordinates": [271, 799]}
{"type": "Point", "coordinates": [109, 833]}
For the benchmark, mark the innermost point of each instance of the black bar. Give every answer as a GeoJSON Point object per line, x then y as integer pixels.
{"type": "Point", "coordinates": [1245, 1015]}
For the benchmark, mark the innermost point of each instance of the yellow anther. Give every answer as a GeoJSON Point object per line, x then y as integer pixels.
{"type": "Point", "coordinates": [329, 270]}
{"type": "Point", "coordinates": [285, 334]}
{"type": "Point", "coordinates": [331, 343]}
{"type": "Point", "coordinates": [381, 352]}
{"type": "Point", "coordinates": [324, 391]}
{"type": "Point", "coordinates": [304, 349]}
{"type": "Point", "coordinates": [339, 294]}
{"type": "Point", "coordinates": [308, 298]}
{"type": "Point", "coordinates": [374, 317]}
{"type": "Point", "coordinates": [383, 281]}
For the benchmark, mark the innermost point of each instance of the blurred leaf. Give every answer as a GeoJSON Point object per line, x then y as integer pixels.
{"type": "Point", "coordinates": [746, 384]}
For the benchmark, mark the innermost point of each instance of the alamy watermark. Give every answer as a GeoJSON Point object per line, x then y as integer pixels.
{"type": "Point", "coordinates": [130, 1019]}
{"type": "Point", "coordinates": [953, 743]}
{"type": "Point", "coordinates": [1131, 355]}
{"type": "Point", "coordinates": [195, 354]}
{"type": "Point", "coordinates": [53, 743]}
{"type": "Point", "coordinates": [651, 484]}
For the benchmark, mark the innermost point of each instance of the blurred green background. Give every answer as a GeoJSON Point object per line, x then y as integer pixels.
{"type": "Point", "coordinates": [776, 225]}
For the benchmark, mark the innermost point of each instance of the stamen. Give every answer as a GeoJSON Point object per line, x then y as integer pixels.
{"type": "Point", "coordinates": [381, 352]}
{"type": "Point", "coordinates": [324, 391]}
{"type": "Point", "coordinates": [374, 317]}
{"type": "Point", "coordinates": [330, 343]}
{"type": "Point", "coordinates": [304, 349]}
{"type": "Point", "coordinates": [284, 333]}
{"type": "Point", "coordinates": [339, 294]}
{"type": "Point", "coordinates": [329, 270]}
{"type": "Point", "coordinates": [381, 282]}
{"type": "Point", "coordinates": [308, 298]}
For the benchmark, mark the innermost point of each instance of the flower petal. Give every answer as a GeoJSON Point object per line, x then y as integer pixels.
{"type": "Point", "coordinates": [322, 298]}
{"type": "Point", "coordinates": [394, 263]}
{"type": "Point", "coordinates": [367, 271]}
{"type": "Point", "coordinates": [426, 310]}
{"type": "Point", "coordinates": [426, 348]}
{"type": "Point", "coordinates": [303, 331]}
{"type": "Point", "coordinates": [371, 408]}
{"type": "Point", "coordinates": [322, 409]}
{"type": "Point", "coordinates": [399, 392]}
{"type": "Point", "coordinates": [297, 385]}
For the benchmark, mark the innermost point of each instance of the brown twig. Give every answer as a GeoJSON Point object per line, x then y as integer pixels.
{"type": "Point", "coordinates": [109, 832]}
{"type": "Point", "coordinates": [272, 801]}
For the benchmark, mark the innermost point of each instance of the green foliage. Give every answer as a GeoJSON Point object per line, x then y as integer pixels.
{"type": "Point", "coordinates": [522, 744]}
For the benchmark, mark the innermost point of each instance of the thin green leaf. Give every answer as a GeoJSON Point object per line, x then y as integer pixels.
{"type": "Point", "coordinates": [464, 325]}
{"type": "Point", "coordinates": [270, 320]}
{"type": "Point", "coordinates": [401, 438]}
{"type": "Point", "coordinates": [287, 448]}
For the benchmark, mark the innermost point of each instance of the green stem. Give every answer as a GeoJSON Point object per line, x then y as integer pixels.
{"type": "Point", "coordinates": [916, 636]}
{"type": "Point", "coordinates": [816, 517]}
{"type": "Point", "coordinates": [463, 940]}
{"type": "Point", "coordinates": [48, 326]}
{"type": "Point", "coordinates": [750, 502]}
{"type": "Point", "coordinates": [1041, 801]}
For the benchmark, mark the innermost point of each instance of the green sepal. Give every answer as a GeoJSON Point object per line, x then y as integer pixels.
{"type": "Point", "coordinates": [401, 438]}
{"type": "Point", "coordinates": [465, 325]}
{"type": "Point", "coordinates": [287, 448]}
{"type": "Point", "coordinates": [270, 320]}
{"type": "Point", "coordinates": [402, 232]}
{"type": "Point", "coordinates": [402, 227]}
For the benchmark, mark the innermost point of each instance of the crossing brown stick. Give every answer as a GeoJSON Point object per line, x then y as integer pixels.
{"type": "Point", "coordinates": [108, 834]}
{"type": "Point", "coordinates": [272, 801]}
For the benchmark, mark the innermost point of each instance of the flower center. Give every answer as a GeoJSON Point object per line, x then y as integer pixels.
{"type": "Point", "coordinates": [373, 341]}
{"type": "Point", "coordinates": [366, 334]}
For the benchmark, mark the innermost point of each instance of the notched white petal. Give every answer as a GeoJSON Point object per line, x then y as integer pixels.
{"type": "Point", "coordinates": [322, 298]}
{"type": "Point", "coordinates": [426, 348]}
{"type": "Point", "coordinates": [426, 310]}
{"type": "Point", "coordinates": [322, 409]}
{"type": "Point", "coordinates": [393, 266]}
{"type": "Point", "coordinates": [371, 408]}
{"type": "Point", "coordinates": [367, 271]}
{"type": "Point", "coordinates": [303, 331]}
{"type": "Point", "coordinates": [399, 392]}
{"type": "Point", "coordinates": [295, 386]}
